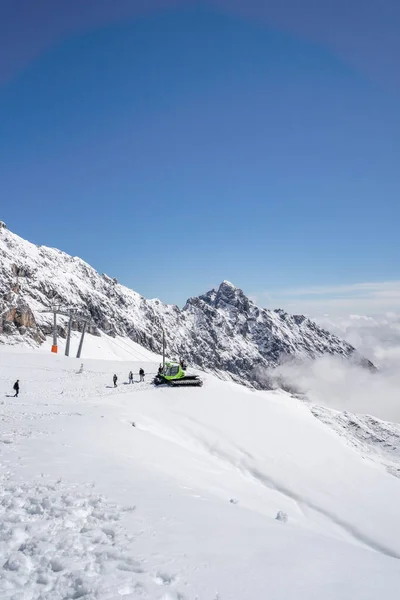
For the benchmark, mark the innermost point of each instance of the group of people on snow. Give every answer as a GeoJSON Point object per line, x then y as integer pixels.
{"type": "Point", "coordinates": [115, 378]}
{"type": "Point", "coordinates": [130, 377]}
{"type": "Point", "coordinates": [142, 373]}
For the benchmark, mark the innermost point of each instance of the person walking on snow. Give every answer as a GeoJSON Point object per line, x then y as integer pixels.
{"type": "Point", "coordinates": [16, 388]}
{"type": "Point", "coordinates": [115, 378]}
{"type": "Point", "coordinates": [130, 377]}
{"type": "Point", "coordinates": [141, 374]}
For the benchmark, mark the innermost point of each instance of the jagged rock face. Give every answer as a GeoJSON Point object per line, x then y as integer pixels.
{"type": "Point", "coordinates": [246, 338]}
{"type": "Point", "coordinates": [222, 331]}
{"type": "Point", "coordinates": [18, 318]}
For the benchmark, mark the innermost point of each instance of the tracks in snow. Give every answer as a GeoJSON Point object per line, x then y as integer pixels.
{"type": "Point", "coordinates": [242, 461]}
{"type": "Point", "coordinates": [246, 468]}
{"type": "Point", "coordinates": [63, 542]}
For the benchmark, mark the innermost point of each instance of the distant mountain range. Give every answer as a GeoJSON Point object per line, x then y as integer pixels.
{"type": "Point", "coordinates": [222, 331]}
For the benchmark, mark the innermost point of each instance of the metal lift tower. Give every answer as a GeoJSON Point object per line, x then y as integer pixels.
{"type": "Point", "coordinates": [74, 315]}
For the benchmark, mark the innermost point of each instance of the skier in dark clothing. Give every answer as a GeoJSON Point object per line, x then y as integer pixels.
{"type": "Point", "coordinates": [115, 378]}
{"type": "Point", "coordinates": [160, 370]}
{"type": "Point", "coordinates": [16, 388]}
{"type": "Point", "coordinates": [130, 377]}
{"type": "Point", "coordinates": [141, 374]}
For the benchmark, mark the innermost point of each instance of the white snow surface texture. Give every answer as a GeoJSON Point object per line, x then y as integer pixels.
{"type": "Point", "coordinates": [212, 493]}
{"type": "Point", "coordinates": [222, 331]}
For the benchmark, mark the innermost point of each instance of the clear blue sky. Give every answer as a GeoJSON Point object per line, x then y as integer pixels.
{"type": "Point", "coordinates": [179, 147]}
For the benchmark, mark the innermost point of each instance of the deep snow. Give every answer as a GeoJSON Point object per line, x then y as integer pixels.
{"type": "Point", "coordinates": [139, 492]}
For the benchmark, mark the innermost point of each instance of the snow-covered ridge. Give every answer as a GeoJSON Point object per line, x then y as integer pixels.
{"type": "Point", "coordinates": [222, 330]}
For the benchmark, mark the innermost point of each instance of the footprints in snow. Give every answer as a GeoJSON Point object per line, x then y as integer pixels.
{"type": "Point", "coordinates": [165, 579]}
{"type": "Point", "coordinates": [61, 542]}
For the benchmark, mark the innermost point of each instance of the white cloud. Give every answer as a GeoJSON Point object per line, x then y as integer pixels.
{"type": "Point", "coordinates": [377, 337]}
{"type": "Point", "coordinates": [348, 289]}
{"type": "Point", "coordinates": [369, 298]}
{"type": "Point", "coordinates": [341, 385]}
{"type": "Point", "coordinates": [368, 316]}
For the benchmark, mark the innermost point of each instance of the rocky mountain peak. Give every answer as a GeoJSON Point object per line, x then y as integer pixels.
{"type": "Point", "coordinates": [227, 296]}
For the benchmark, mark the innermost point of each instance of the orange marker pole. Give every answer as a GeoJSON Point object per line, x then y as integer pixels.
{"type": "Point", "coordinates": [54, 347]}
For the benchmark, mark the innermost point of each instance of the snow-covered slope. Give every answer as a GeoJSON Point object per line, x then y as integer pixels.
{"type": "Point", "coordinates": [379, 440]}
{"type": "Point", "coordinates": [104, 347]}
{"type": "Point", "coordinates": [165, 494]}
{"type": "Point", "coordinates": [222, 331]}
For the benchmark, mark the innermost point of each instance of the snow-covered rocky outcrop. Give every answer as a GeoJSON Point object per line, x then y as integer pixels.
{"type": "Point", "coordinates": [221, 331]}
